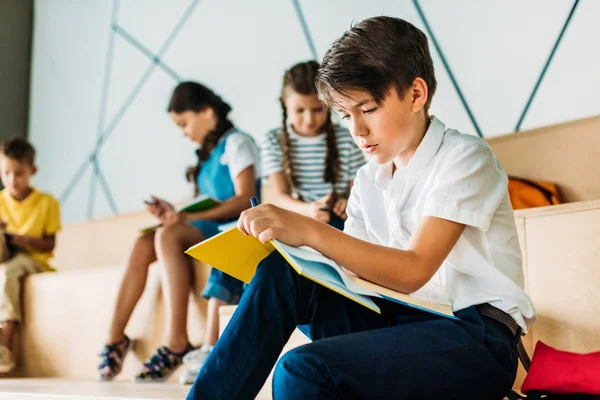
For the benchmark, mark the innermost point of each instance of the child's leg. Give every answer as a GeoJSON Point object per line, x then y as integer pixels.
{"type": "Point", "coordinates": [171, 242]}
{"type": "Point", "coordinates": [212, 321]}
{"type": "Point", "coordinates": [273, 304]}
{"type": "Point", "coordinates": [435, 359]}
{"type": "Point", "coordinates": [12, 273]}
{"type": "Point", "coordinates": [132, 285]}
{"type": "Point", "coordinates": [221, 289]}
{"type": "Point", "coordinates": [422, 349]}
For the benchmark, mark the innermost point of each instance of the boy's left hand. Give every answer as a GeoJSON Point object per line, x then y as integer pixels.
{"type": "Point", "coordinates": [20, 241]}
{"type": "Point", "coordinates": [339, 208]}
{"type": "Point", "coordinates": [267, 222]}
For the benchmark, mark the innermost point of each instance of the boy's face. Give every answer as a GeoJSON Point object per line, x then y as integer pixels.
{"type": "Point", "coordinates": [385, 131]}
{"type": "Point", "coordinates": [16, 175]}
{"type": "Point", "coordinates": [195, 125]}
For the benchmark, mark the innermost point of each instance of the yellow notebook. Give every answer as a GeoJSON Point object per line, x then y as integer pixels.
{"type": "Point", "coordinates": [238, 255]}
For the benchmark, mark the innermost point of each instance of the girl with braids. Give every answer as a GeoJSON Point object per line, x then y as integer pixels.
{"type": "Point", "coordinates": [227, 171]}
{"type": "Point", "coordinates": [309, 161]}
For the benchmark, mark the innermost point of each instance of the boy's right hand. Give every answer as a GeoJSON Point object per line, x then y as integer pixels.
{"type": "Point", "coordinates": [320, 209]}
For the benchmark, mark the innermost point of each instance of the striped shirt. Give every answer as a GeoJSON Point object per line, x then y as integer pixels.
{"type": "Point", "coordinates": [308, 156]}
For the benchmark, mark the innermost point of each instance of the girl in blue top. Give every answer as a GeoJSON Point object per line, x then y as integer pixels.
{"type": "Point", "coordinates": [227, 171]}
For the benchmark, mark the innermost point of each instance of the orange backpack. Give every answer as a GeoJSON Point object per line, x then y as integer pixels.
{"type": "Point", "coordinates": [526, 193]}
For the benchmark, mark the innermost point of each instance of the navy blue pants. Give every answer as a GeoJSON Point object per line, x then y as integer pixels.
{"type": "Point", "coordinates": [402, 353]}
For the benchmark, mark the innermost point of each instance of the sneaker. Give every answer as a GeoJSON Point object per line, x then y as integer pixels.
{"type": "Point", "coordinates": [161, 365]}
{"type": "Point", "coordinates": [7, 363]}
{"type": "Point", "coordinates": [112, 359]}
{"type": "Point", "coordinates": [198, 357]}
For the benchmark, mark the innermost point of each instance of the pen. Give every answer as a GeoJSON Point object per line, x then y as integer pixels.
{"type": "Point", "coordinates": [253, 201]}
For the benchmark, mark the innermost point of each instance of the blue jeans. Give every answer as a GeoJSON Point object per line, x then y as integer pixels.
{"type": "Point", "coordinates": [401, 353]}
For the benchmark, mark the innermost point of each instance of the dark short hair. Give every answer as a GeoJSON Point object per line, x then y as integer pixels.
{"type": "Point", "coordinates": [375, 55]}
{"type": "Point", "coordinates": [18, 149]}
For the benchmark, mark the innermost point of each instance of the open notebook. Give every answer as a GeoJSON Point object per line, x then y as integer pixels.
{"type": "Point", "coordinates": [238, 255]}
{"type": "Point", "coordinates": [200, 203]}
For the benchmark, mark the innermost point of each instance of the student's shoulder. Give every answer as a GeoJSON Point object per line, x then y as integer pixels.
{"type": "Point", "coordinates": [48, 198]}
{"type": "Point", "coordinates": [240, 138]}
{"type": "Point", "coordinates": [46, 201]}
{"type": "Point", "coordinates": [462, 145]}
{"type": "Point", "coordinates": [272, 137]}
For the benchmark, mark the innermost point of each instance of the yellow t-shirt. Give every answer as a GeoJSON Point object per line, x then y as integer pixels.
{"type": "Point", "coordinates": [38, 215]}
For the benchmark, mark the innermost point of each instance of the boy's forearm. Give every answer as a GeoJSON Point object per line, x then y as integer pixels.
{"type": "Point", "coordinates": [393, 268]}
{"type": "Point", "coordinates": [43, 245]}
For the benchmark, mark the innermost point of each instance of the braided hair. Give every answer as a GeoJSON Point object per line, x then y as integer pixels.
{"type": "Point", "coordinates": [301, 79]}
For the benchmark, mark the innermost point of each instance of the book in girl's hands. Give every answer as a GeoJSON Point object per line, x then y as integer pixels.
{"type": "Point", "coordinates": [238, 255]}
{"type": "Point", "coordinates": [200, 203]}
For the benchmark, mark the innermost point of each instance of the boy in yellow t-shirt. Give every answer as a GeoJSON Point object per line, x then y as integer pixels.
{"type": "Point", "coordinates": [29, 220]}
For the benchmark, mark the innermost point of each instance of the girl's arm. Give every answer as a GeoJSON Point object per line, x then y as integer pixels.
{"type": "Point", "coordinates": [317, 209]}
{"type": "Point", "coordinates": [282, 197]}
{"type": "Point", "coordinates": [405, 271]}
{"type": "Point", "coordinates": [245, 187]}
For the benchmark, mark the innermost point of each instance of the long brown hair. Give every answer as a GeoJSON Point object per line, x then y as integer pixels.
{"type": "Point", "coordinates": [193, 96]}
{"type": "Point", "coordinates": [301, 79]}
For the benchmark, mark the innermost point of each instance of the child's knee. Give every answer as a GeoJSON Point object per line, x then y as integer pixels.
{"type": "Point", "coordinates": [296, 368]}
{"type": "Point", "coordinates": [167, 235]}
{"type": "Point", "coordinates": [144, 243]}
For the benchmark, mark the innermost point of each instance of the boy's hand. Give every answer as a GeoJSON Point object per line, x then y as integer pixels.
{"type": "Point", "coordinates": [267, 222]}
{"type": "Point", "coordinates": [320, 209]}
{"type": "Point", "coordinates": [20, 241]}
{"type": "Point", "coordinates": [339, 208]}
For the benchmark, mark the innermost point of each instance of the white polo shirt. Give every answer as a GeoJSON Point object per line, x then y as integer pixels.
{"type": "Point", "coordinates": [455, 177]}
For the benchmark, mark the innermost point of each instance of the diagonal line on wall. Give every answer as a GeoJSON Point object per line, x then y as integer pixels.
{"type": "Point", "coordinates": [103, 101]}
{"type": "Point", "coordinates": [307, 35]}
{"type": "Point", "coordinates": [110, 128]}
{"type": "Point", "coordinates": [75, 179]}
{"type": "Point", "coordinates": [546, 65]}
{"type": "Point", "coordinates": [463, 100]}
{"type": "Point", "coordinates": [144, 50]}
{"type": "Point", "coordinates": [113, 124]}
{"type": "Point", "coordinates": [105, 188]}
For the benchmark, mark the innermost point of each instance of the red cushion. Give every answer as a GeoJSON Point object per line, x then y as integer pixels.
{"type": "Point", "coordinates": [560, 372]}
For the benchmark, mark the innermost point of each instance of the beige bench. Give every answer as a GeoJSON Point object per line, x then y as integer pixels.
{"type": "Point", "coordinates": [67, 313]}
{"type": "Point", "coordinates": [560, 243]}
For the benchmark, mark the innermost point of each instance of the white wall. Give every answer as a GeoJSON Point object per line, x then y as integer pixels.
{"type": "Point", "coordinates": [240, 48]}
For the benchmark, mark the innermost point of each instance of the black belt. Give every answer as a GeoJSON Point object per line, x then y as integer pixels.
{"type": "Point", "coordinates": [500, 316]}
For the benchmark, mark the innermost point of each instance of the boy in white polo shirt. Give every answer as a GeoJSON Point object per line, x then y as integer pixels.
{"type": "Point", "coordinates": [430, 214]}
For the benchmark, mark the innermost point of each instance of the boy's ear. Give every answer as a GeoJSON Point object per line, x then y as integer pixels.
{"type": "Point", "coordinates": [34, 170]}
{"type": "Point", "coordinates": [420, 94]}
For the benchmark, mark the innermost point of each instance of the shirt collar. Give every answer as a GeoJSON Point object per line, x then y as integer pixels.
{"type": "Point", "coordinates": [427, 149]}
